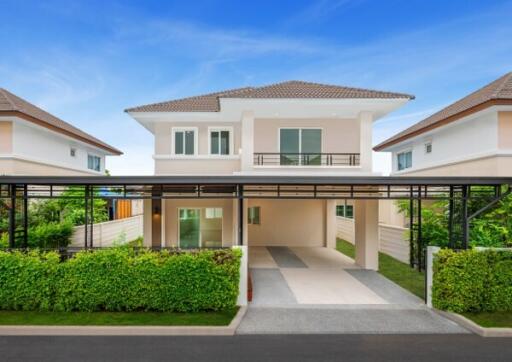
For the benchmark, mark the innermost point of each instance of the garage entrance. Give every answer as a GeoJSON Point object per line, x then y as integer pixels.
{"type": "Point", "coordinates": [291, 276]}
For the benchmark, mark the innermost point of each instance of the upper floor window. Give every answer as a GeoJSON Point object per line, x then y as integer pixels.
{"type": "Point", "coordinates": [185, 141]}
{"type": "Point", "coordinates": [220, 141]}
{"type": "Point", "coordinates": [404, 160]}
{"type": "Point", "coordinates": [299, 146]}
{"type": "Point", "coordinates": [94, 163]}
{"type": "Point", "coordinates": [428, 147]}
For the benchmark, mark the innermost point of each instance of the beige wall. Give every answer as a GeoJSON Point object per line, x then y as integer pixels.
{"type": "Point", "coordinates": [389, 214]}
{"type": "Point", "coordinates": [288, 222]}
{"type": "Point", "coordinates": [164, 142]}
{"type": "Point", "coordinates": [21, 167]}
{"type": "Point", "coordinates": [505, 130]}
{"type": "Point", "coordinates": [337, 135]}
{"type": "Point", "coordinates": [171, 217]}
{"type": "Point", "coordinates": [5, 137]}
{"type": "Point", "coordinates": [489, 166]}
{"type": "Point", "coordinates": [200, 167]}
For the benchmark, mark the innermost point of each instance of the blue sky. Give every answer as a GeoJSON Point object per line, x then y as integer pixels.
{"type": "Point", "coordinates": [86, 61]}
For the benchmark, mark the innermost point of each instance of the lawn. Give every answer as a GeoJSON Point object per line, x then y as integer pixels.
{"type": "Point", "coordinates": [393, 269]}
{"type": "Point", "coordinates": [494, 319]}
{"type": "Point", "coordinates": [221, 318]}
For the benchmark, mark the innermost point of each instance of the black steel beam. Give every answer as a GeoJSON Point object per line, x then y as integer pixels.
{"type": "Point", "coordinates": [465, 220]}
{"type": "Point", "coordinates": [86, 216]}
{"type": "Point", "coordinates": [419, 240]}
{"type": "Point", "coordinates": [25, 216]}
{"type": "Point", "coordinates": [240, 215]}
{"type": "Point", "coordinates": [450, 218]}
{"type": "Point", "coordinates": [254, 180]}
{"type": "Point", "coordinates": [12, 217]}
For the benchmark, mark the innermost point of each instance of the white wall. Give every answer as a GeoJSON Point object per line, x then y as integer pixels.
{"type": "Point", "coordinates": [393, 240]}
{"type": "Point", "coordinates": [106, 233]}
{"type": "Point", "coordinates": [466, 138]}
{"type": "Point", "coordinates": [38, 144]}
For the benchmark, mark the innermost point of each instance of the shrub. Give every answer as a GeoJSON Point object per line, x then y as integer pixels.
{"type": "Point", "coordinates": [4, 240]}
{"type": "Point", "coordinates": [472, 281]}
{"type": "Point", "coordinates": [120, 279]}
{"type": "Point", "coordinates": [27, 280]}
{"type": "Point", "coordinates": [50, 235]}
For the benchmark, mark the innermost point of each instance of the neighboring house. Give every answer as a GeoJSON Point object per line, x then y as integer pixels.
{"type": "Point", "coordinates": [34, 142]}
{"type": "Point", "coordinates": [471, 137]}
{"type": "Point", "coordinates": [290, 128]}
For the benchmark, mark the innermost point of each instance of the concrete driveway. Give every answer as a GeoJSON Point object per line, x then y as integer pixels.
{"type": "Point", "coordinates": [319, 290]}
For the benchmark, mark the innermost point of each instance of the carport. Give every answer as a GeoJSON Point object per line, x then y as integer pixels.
{"type": "Point", "coordinates": [17, 191]}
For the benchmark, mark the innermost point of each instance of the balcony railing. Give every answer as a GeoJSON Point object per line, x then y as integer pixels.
{"type": "Point", "coordinates": [306, 159]}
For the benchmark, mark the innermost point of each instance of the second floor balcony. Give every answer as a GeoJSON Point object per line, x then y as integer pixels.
{"type": "Point", "coordinates": [306, 159]}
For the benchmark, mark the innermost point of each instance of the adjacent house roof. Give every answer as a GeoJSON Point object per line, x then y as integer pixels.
{"type": "Point", "coordinates": [290, 89]}
{"type": "Point", "coordinates": [11, 104]}
{"type": "Point", "coordinates": [494, 93]}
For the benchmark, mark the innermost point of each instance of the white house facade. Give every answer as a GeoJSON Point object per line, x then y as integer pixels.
{"type": "Point", "coordinates": [34, 142]}
{"type": "Point", "coordinates": [471, 137]}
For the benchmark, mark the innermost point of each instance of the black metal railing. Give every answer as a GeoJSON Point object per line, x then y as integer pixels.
{"type": "Point", "coordinates": [306, 159]}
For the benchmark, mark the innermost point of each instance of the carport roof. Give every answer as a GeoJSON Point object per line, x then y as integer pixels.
{"type": "Point", "coordinates": [254, 180]}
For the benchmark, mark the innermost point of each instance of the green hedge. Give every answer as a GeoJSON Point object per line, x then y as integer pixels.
{"type": "Point", "coordinates": [472, 281]}
{"type": "Point", "coordinates": [120, 279]}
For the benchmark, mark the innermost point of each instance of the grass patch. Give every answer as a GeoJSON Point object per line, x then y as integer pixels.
{"type": "Point", "coordinates": [393, 269]}
{"type": "Point", "coordinates": [221, 318]}
{"type": "Point", "coordinates": [491, 319]}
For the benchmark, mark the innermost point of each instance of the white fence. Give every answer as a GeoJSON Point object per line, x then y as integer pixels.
{"type": "Point", "coordinates": [393, 240]}
{"type": "Point", "coordinates": [106, 233]}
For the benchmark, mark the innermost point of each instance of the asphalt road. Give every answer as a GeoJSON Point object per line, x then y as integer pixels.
{"type": "Point", "coordinates": [259, 348]}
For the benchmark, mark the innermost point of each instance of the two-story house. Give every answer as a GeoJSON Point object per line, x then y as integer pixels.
{"type": "Point", "coordinates": [290, 128]}
{"type": "Point", "coordinates": [34, 142]}
{"type": "Point", "coordinates": [471, 137]}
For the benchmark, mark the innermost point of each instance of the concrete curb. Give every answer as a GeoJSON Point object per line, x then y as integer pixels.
{"type": "Point", "coordinates": [475, 328]}
{"type": "Point", "coordinates": [228, 330]}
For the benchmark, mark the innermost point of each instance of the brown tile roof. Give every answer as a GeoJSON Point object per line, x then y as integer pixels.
{"type": "Point", "coordinates": [496, 92]}
{"type": "Point", "coordinates": [11, 104]}
{"type": "Point", "coordinates": [290, 89]}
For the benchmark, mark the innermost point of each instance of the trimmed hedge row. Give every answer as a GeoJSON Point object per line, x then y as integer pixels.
{"type": "Point", "coordinates": [472, 281]}
{"type": "Point", "coordinates": [120, 279]}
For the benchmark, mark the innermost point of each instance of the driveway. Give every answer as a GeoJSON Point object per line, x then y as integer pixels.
{"type": "Point", "coordinates": [319, 290]}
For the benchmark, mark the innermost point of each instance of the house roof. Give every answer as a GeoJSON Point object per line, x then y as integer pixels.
{"type": "Point", "coordinates": [494, 93]}
{"type": "Point", "coordinates": [289, 89]}
{"type": "Point", "coordinates": [11, 104]}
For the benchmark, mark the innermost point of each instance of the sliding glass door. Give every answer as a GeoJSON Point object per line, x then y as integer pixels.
{"type": "Point", "coordinates": [200, 227]}
{"type": "Point", "coordinates": [189, 228]}
{"type": "Point", "coordinates": [300, 146]}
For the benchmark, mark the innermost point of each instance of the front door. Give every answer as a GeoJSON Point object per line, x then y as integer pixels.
{"type": "Point", "coordinates": [189, 228]}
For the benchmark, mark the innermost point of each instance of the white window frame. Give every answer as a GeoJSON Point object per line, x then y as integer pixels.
{"type": "Point", "coordinates": [184, 129]}
{"type": "Point", "coordinates": [231, 141]}
{"type": "Point", "coordinates": [94, 155]}
{"type": "Point", "coordinates": [396, 159]}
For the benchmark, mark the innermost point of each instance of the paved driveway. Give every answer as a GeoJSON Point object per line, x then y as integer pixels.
{"type": "Point", "coordinates": [319, 290]}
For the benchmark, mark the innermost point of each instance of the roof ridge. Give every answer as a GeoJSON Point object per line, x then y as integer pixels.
{"type": "Point", "coordinates": [335, 86]}
{"type": "Point", "coordinates": [216, 94]}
